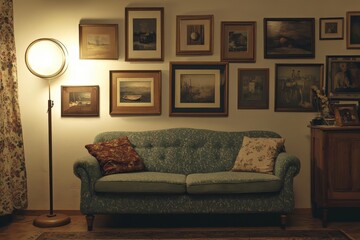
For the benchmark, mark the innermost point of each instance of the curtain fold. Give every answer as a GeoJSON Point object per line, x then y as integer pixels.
{"type": "Point", "coordinates": [13, 182]}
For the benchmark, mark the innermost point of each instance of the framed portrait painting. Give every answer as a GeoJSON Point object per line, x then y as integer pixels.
{"type": "Point", "coordinates": [253, 88]}
{"type": "Point", "coordinates": [79, 101]}
{"type": "Point", "coordinates": [289, 37]}
{"type": "Point", "coordinates": [331, 28]}
{"type": "Point", "coordinates": [144, 34]}
{"type": "Point", "coordinates": [198, 89]}
{"type": "Point", "coordinates": [293, 86]}
{"type": "Point", "coordinates": [238, 41]}
{"type": "Point", "coordinates": [352, 29]}
{"type": "Point", "coordinates": [135, 92]}
{"type": "Point", "coordinates": [194, 34]}
{"type": "Point", "coordinates": [343, 77]}
{"type": "Point", "coordinates": [99, 41]}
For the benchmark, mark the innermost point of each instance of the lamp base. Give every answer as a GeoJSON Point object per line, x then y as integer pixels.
{"type": "Point", "coordinates": [54, 220]}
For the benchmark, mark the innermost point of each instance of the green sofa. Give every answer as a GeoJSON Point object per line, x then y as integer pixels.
{"type": "Point", "coordinates": [187, 172]}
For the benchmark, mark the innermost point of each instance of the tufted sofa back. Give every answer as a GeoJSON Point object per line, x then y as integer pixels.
{"type": "Point", "coordinates": [186, 150]}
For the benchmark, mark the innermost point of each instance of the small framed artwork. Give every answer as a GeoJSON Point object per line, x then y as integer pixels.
{"type": "Point", "coordinates": [198, 89]}
{"type": "Point", "coordinates": [79, 101]}
{"type": "Point", "coordinates": [343, 77]}
{"type": "Point", "coordinates": [293, 86]}
{"type": "Point", "coordinates": [144, 34]}
{"type": "Point", "coordinates": [346, 115]}
{"type": "Point", "coordinates": [99, 41]}
{"type": "Point", "coordinates": [253, 88]}
{"type": "Point", "coordinates": [289, 37]}
{"type": "Point", "coordinates": [135, 92]}
{"type": "Point", "coordinates": [238, 41]}
{"type": "Point", "coordinates": [331, 28]}
{"type": "Point", "coordinates": [352, 29]}
{"type": "Point", "coordinates": [194, 35]}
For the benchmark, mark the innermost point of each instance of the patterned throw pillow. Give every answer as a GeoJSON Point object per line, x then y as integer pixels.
{"type": "Point", "coordinates": [258, 154]}
{"type": "Point", "coordinates": [116, 156]}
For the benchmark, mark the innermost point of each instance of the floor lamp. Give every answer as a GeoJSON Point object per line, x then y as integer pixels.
{"type": "Point", "coordinates": [46, 58]}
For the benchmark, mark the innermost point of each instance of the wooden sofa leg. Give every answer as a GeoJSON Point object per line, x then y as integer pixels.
{"type": "Point", "coordinates": [90, 222]}
{"type": "Point", "coordinates": [283, 220]}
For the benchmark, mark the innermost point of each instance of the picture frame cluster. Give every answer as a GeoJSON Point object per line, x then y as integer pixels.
{"type": "Point", "coordinates": [202, 88]}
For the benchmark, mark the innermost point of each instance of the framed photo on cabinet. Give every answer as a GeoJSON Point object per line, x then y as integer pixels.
{"type": "Point", "coordinates": [194, 34]}
{"type": "Point", "coordinates": [99, 41]}
{"type": "Point", "coordinates": [346, 115]}
{"type": "Point", "coordinates": [144, 34]}
{"type": "Point", "coordinates": [331, 28]}
{"type": "Point", "coordinates": [352, 29]}
{"type": "Point", "coordinates": [343, 77]}
{"type": "Point", "coordinates": [253, 88]}
{"type": "Point", "coordinates": [289, 37]}
{"type": "Point", "coordinates": [293, 86]}
{"type": "Point", "coordinates": [198, 89]}
{"type": "Point", "coordinates": [135, 92]}
{"type": "Point", "coordinates": [79, 101]}
{"type": "Point", "coordinates": [238, 41]}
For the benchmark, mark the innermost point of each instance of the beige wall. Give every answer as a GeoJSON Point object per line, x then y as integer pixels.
{"type": "Point", "coordinates": [60, 19]}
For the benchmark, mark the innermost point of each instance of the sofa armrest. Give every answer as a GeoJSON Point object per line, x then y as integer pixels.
{"type": "Point", "coordinates": [88, 170]}
{"type": "Point", "coordinates": [284, 162]}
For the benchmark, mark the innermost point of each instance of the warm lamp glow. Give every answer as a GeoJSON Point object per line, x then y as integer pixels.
{"type": "Point", "coordinates": [46, 58]}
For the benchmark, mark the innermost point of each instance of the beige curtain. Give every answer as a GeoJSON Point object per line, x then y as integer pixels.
{"type": "Point", "coordinates": [13, 188]}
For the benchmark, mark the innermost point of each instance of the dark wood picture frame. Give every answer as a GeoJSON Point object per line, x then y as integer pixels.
{"type": "Point", "coordinates": [289, 38]}
{"type": "Point", "coordinates": [352, 30]}
{"type": "Point", "coordinates": [194, 34]}
{"type": "Point", "coordinates": [144, 34]}
{"type": "Point", "coordinates": [346, 115]}
{"type": "Point", "coordinates": [253, 88]}
{"type": "Point", "coordinates": [135, 92]}
{"type": "Point", "coordinates": [238, 41]}
{"type": "Point", "coordinates": [198, 89]}
{"type": "Point", "coordinates": [331, 28]}
{"type": "Point", "coordinates": [79, 101]}
{"type": "Point", "coordinates": [293, 86]}
{"type": "Point", "coordinates": [343, 77]}
{"type": "Point", "coordinates": [98, 41]}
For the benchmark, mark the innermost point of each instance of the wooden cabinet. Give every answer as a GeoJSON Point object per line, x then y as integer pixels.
{"type": "Point", "coordinates": [335, 168]}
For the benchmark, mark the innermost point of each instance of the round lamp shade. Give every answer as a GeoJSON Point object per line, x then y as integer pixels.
{"type": "Point", "coordinates": [46, 58]}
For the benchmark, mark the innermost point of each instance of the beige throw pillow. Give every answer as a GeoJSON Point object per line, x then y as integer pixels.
{"type": "Point", "coordinates": [258, 154]}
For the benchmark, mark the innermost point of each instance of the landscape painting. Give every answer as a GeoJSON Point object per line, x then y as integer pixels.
{"type": "Point", "coordinates": [289, 38]}
{"type": "Point", "coordinates": [135, 92]}
{"type": "Point", "coordinates": [144, 34]}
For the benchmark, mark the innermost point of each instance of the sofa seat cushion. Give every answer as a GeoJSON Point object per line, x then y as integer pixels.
{"type": "Point", "coordinates": [142, 182]}
{"type": "Point", "coordinates": [232, 182]}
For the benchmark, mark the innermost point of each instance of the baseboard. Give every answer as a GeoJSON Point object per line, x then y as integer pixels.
{"type": "Point", "coordinates": [28, 212]}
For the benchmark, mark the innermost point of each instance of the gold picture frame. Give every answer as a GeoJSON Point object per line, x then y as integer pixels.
{"type": "Point", "coordinates": [238, 41]}
{"type": "Point", "coordinates": [331, 28]}
{"type": "Point", "coordinates": [194, 34]}
{"type": "Point", "coordinates": [98, 41]}
{"type": "Point", "coordinates": [135, 92]}
{"type": "Point", "coordinates": [79, 101]}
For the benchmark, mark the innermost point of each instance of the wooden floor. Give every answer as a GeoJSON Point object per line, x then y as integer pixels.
{"type": "Point", "coordinates": [21, 226]}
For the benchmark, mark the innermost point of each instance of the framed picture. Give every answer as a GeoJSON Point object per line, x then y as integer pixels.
{"type": "Point", "coordinates": [135, 92]}
{"type": "Point", "coordinates": [144, 34]}
{"type": "Point", "coordinates": [238, 41]}
{"type": "Point", "coordinates": [253, 88]}
{"type": "Point", "coordinates": [346, 115]}
{"type": "Point", "coordinates": [293, 83]}
{"type": "Point", "coordinates": [289, 37]}
{"type": "Point", "coordinates": [194, 35]}
{"type": "Point", "coordinates": [79, 101]}
{"type": "Point", "coordinates": [343, 77]}
{"type": "Point", "coordinates": [99, 41]}
{"type": "Point", "coordinates": [352, 29]}
{"type": "Point", "coordinates": [331, 28]}
{"type": "Point", "coordinates": [198, 89]}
